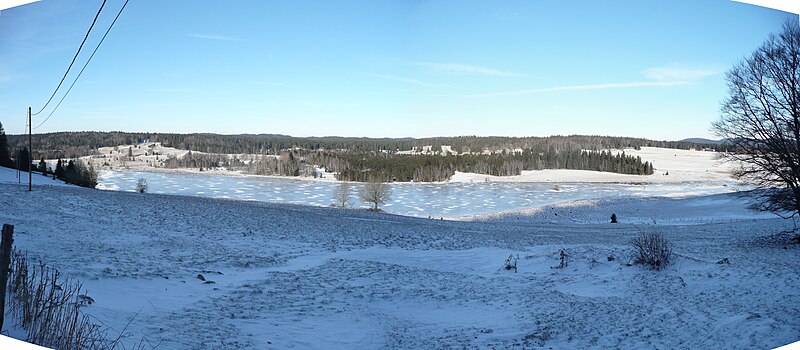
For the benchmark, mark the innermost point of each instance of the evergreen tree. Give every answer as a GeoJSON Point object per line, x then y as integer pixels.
{"type": "Point", "coordinates": [5, 157]}
{"type": "Point", "coordinates": [59, 170]}
{"type": "Point", "coordinates": [70, 170]}
{"type": "Point", "coordinates": [22, 159]}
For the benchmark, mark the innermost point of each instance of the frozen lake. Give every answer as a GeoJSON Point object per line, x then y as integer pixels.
{"type": "Point", "coordinates": [449, 200]}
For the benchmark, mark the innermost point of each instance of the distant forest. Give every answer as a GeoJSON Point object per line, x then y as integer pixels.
{"type": "Point", "coordinates": [369, 159]}
{"type": "Point", "coordinates": [75, 144]}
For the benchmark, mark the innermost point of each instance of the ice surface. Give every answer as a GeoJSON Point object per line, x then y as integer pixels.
{"type": "Point", "coordinates": [449, 200]}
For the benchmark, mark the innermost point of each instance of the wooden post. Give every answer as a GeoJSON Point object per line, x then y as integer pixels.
{"type": "Point", "coordinates": [5, 261]}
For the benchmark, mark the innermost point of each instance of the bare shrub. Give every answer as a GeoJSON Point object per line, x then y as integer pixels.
{"type": "Point", "coordinates": [48, 307]}
{"type": "Point", "coordinates": [563, 260]}
{"type": "Point", "coordinates": [652, 249]}
{"type": "Point", "coordinates": [511, 262]}
{"type": "Point", "coordinates": [141, 186]}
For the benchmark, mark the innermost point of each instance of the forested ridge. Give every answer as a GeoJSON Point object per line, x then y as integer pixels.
{"type": "Point", "coordinates": [75, 144]}
{"type": "Point", "coordinates": [369, 159]}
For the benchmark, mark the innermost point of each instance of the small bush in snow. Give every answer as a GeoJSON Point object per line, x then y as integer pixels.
{"type": "Point", "coordinates": [511, 263]}
{"type": "Point", "coordinates": [141, 186]}
{"type": "Point", "coordinates": [564, 259]}
{"type": "Point", "coordinates": [652, 249]}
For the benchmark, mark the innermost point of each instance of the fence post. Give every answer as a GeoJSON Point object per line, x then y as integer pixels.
{"type": "Point", "coordinates": [5, 261]}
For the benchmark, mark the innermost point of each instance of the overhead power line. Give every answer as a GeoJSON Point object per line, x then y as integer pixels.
{"type": "Point", "coordinates": [73, 58]}
{"type": "Point", "coordinates": [84, 66]}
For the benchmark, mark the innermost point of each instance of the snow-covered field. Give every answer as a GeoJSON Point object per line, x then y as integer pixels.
{"type": "Point", "coordinates": [706, 209]}
{"type": "Point", "coordinates": [291, 276]}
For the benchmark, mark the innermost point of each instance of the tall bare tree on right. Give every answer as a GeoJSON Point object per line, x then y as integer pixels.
{"type": "Point", "coordinates": [761, 121]}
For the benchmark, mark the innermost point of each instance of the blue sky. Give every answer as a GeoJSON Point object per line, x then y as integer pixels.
{"type": "Point", "coordinates": [420, 68]}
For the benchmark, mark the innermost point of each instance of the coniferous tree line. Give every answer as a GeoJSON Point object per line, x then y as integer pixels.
{"type": "Point", "coordinates": [76, 172]}
{"type": "Point", "coordinates": [72, 171]}
{"type": "Point", "coordinates": [426, 168]}
{"type": "Point", "coordinates": [76, 144]}
{"type": "Point", "coordinates": [369, 166]}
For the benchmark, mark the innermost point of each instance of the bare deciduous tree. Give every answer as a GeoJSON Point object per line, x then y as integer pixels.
{"type": "Point", "coordinates": [376, 193]}
{"type": "Point", "coordinates": [761, 120]}
{"type": "Point", "coordinates": [342, 195]}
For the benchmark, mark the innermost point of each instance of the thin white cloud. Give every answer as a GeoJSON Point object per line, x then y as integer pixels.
{"type": "Point", "coordinates": [460, 68]}
{"type": "Point", "coordinates": [681, 72]}
{"type": "Point", "coordinates": [216, 37]}
{"type": "Point", "coordinates": [405, 80]}
{"type": "Point", "coordinates": [584, 87]}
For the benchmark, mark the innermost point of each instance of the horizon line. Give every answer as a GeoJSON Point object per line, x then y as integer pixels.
{"type": "Point", "coordinates": [357, 137]}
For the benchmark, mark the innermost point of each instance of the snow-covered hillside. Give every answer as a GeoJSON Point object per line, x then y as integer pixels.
{"type": "Point", "coordinates": [289, 276]}
{"type": "Point", "coordinates": [718, 208]}
{"type": "Point", "coordinates": [671, 166]}
{"type": "Point", "coordinates": [11, 176]}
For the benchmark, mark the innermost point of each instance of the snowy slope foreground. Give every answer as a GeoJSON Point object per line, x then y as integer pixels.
{"type": "Point", "coordinates": [11, 176]}
{"type": "Point", "coordinates": [286, 276]}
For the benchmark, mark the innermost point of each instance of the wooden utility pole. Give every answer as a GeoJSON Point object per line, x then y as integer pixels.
{"type": "Point", "coordinates": [5, 261]}
{"type": "Point", "coordinates": [30, 151]}
{"type": "Point", "coordinates": [19, 166]}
